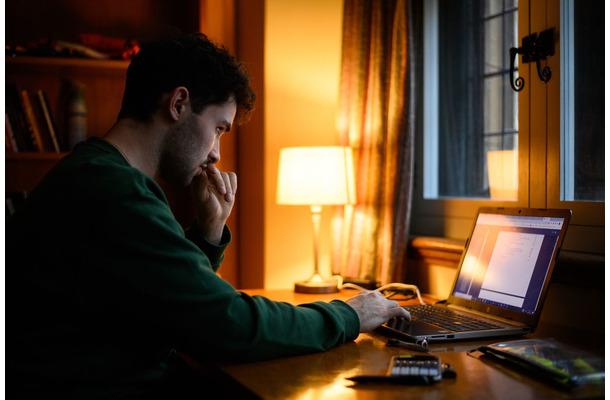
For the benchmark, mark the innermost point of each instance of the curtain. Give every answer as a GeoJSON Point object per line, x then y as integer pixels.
{"type": "Point", "coordinates": [376, 119]}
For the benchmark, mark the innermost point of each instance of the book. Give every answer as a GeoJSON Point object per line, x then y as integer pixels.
{"type": "Point", "coordinates": [45, 110]}
{"type": "Point", "coordinates": [11, 141]}
{"type": "Point", "coordinates": [17, 120]}
{"type": "Point", "coordinates": [548, 360]}
{"type": "Point", "coordinates": [31, 121]}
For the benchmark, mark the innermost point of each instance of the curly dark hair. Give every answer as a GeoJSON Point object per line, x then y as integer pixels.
{"type": "Point", "coordinates": [209, 72]}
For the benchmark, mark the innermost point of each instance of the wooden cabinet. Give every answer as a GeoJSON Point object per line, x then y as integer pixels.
{"type": "Point", "coordinates": [25, 170]}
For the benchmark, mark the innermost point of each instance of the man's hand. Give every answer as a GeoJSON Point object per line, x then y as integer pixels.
{"type": "Point", "coordinates": [373, 310]}
{"type": "Point", "coordinates": [214, 195]}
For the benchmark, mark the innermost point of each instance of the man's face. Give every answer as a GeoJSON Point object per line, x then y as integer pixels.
{"type": "Point", "coordinates": [194, 142]}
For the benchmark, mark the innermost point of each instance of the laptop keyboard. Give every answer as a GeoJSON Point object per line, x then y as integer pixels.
{"type": "Point", "coordinates": [448, 319]}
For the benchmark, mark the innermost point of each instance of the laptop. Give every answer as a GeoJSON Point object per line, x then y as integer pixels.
{"type": "Point", "coordinates": [502, 279]}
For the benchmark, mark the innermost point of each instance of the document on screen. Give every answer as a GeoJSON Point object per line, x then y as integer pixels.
{"type": "Point", "coordinates": [511, 267]}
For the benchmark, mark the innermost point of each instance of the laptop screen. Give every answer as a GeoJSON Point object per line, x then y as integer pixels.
{"type": "Point", "coordinates": [507, 260]}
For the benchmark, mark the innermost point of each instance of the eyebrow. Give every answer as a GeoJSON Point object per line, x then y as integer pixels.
{"type": "Point", "coordinates": [227, 125]}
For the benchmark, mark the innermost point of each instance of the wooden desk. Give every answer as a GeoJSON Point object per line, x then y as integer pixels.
{"type": "Point", "coordinates": [323, 375]}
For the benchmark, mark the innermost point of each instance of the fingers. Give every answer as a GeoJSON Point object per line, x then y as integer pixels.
{"type": "Point", "coordinates": [374, 310]}
{"type": "Point", "coordinates": [200, 183]}
{"type": "Point", "coordinates": [225, 183]}
{"type": "Point", "coordinates": [399, 312]}
{"type": "Point", "coordinates": [216, 179]}
{"type": "Point", "coordinates": [394, 310]}
{"type": "Point", "coordinates": [232, 183]}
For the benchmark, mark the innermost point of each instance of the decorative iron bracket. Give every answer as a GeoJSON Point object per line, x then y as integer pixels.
{"type": "Point", "coordinates": [535, 47]}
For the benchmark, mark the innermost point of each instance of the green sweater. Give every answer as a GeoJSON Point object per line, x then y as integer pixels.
{"type": "Point", "coordinates": [104, 286]}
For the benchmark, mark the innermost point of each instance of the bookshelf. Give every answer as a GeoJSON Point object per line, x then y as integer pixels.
{"type": "Point", "coordinates": [142, 20]}
{"type": "Point", "coordinates": [25, 170]}
{"type": "Point", "coordinates": [104, 84]}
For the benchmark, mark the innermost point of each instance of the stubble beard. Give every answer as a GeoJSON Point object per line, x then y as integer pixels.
{"type": "Point", "coordinates": [179, 159]}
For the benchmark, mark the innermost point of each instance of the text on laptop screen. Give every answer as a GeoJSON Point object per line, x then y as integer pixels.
{"type": "Point", "coordinates": [507, 260]}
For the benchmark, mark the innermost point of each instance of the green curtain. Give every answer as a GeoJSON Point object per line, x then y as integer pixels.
{"type": "Point", "coordinates": [377, 119]}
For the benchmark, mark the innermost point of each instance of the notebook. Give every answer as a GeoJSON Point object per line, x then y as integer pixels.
{"type": "Point", "coordinates": [502, 278]}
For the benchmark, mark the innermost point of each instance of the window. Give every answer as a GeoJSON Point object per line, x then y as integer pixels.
{"type": "Point", "coordinates": [582, 104]}
{"type": "Point", "coordinates": [500, 103]}
{"type": "Point", "coordinates": [470, 90]}
{"type": "Point", "coordinates": [555, 130]}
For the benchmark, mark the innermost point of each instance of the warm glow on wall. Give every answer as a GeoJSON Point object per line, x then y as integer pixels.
{"type": "Point", "coordinates": [301, 82]}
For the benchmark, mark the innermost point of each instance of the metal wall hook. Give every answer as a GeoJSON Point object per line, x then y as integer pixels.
{"type": "Point", "coordinates": [519, 82]}
{"type": "Point", "coordinates": [535, 47]}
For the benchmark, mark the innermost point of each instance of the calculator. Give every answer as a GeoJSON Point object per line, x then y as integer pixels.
{"type": "Point", "coordinates": [416, 368]}
{"type": "Point", "coordinates": [409, 369]}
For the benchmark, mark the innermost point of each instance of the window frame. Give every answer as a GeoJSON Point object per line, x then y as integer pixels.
{"type": "Point", "coordinates": [539, 148]}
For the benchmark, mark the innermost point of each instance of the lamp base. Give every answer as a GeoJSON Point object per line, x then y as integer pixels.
{"type": "Point", "coordinates": [317, 285]}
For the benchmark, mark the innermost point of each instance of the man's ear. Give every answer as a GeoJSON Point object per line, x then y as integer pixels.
{"type": "Point", "coordinates": [178, 101]}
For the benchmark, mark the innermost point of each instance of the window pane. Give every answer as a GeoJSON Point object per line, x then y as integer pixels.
{"type": "Point", "coordinates": [510, 32]}
{"type": "Point", "coordinates": [493, 6]}
{"type": "Point", "coordinates": [460, 114]}
{"type": "Point", "coordinates": [494, 49]}
{"type": "Point", "coordinates": [475, 111]}
{"type": "Point", "coordinates": [510, 141]}
{"type": "Point", "coordinates": [583, 101]}
{"type": "Point", "coordinates": [492, 108]}
{"type": "Point", "coordinates": [511, 107]}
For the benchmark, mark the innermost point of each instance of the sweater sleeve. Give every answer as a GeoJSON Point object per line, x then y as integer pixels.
{"type": "Point", "coordinates": [215, 253]}
{"type": "Point", "coordinates": [166, 291]}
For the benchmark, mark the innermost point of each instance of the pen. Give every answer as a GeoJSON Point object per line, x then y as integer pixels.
{"type": "Point", "coordinates": [397, 380]}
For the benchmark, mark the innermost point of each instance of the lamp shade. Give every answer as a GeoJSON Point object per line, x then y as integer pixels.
{"type": "Point", "coordinates": [316, 176]}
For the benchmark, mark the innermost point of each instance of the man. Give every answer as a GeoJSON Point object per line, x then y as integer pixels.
{"type": "Point", "coordinates": [104, 286]}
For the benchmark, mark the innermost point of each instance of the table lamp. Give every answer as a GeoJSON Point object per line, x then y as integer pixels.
{"type": "Point", "coordinates": [316, 176]}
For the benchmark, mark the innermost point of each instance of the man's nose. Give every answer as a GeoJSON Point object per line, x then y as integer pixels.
{"type": "Point", "coordinates": [214, 156]}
